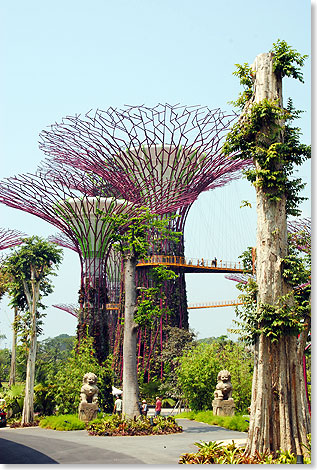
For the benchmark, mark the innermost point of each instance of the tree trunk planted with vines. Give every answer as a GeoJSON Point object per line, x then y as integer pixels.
{"type": "Point", "coordinates": [13, 350]}
{"type": "Point", "coordinates": [279, 416]}
{"type": "Point", "coordinates": [32, 300]}
{"type": "Point", "coordinates": [130, 378]}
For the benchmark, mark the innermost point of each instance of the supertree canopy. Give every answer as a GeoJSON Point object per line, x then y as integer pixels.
{"type": "Point", "coordinates": [165, 156]}
{"type": "Point", "coordinates": [161, 157]}
{"type": "Point", "coordinates": [77, 215]}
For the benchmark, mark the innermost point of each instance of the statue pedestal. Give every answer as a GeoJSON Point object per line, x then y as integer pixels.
{"type": "Point", "coordinates": [223, 407]}
{"type": "Point", "coordinates": [87, 411]}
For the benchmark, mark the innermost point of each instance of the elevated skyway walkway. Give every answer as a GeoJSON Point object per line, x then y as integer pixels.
{"type": "Point", "coordinates": [193, 265]}
{"type": "Point", "coordinates": [220, 303]}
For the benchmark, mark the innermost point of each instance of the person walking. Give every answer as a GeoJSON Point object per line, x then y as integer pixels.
{"type": "Point", "coordinates": [158, 406]}
{"type": "Point", "coordinates": [118, 406]}
{"type": "Point", "coordinates": [144, 408]}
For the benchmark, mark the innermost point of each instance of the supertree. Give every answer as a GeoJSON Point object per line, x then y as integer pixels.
{"type": "Point", "coordinates": [79, 216]}
{"type": "Point", "coordinates": [163, 156]}
{"type": "Point", "coordinates": [113, 268]}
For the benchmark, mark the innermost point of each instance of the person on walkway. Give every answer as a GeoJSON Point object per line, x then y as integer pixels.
{"type": "Point", "coordinates": [118, 406]}
{"type": "Point", "coordinates": [144, 408]}
{"type": "Point", "coordinates": [158, 406]}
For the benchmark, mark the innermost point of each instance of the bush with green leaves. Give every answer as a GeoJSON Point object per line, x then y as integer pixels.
{"type": "Point", "coordinates": [14, 399]}
{"type": "Point", "coordinates": [62, 423]}
{"type": "Point", "coordinates": [199, 367]}
{"type": "Point", "coordinates": [44, 399]}
{"type": "Point", "coordinates": [216, 453]}
{"type": "Point", "coordinates": [69, 378]}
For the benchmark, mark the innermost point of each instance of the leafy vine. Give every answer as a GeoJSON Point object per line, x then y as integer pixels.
{"type": "Point", "coordinates": [264, 134]}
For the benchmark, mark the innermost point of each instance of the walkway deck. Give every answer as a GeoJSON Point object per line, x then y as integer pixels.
{"type": "Point", "coordinates": [193, 265]}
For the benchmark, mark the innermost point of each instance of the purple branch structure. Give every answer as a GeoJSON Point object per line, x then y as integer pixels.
{"type": "Point", "coordinates": [165, 156]}
{"type": "Point", "coordinates": [300, 232]}
{"type": "Point", "coordinates": [10, 238]}
{"type": "Point", "coordinates": [240, 278]}
{"type": "Point", "coordinates": [162, 158]}
{"type": "Point", "coordinates": [77, 215]}
{"type": "Point", "coordinates": [64, 241]}
{"type": "Point", "coordinates": [71, 309]}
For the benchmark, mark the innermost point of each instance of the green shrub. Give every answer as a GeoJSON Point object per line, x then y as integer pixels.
{"type": "Point", "coordinates": [44, 398]}
{"type": "Point", "coordinates": [216, 453]}
{"type": "Point", "coordinates": [198, 370]}
{"type": "Point", "coordinates": [69, 379]}
{"type": "Point", "coordinates": [236, 423]}
{"type": "Point", "coordinates": [14, 399]}
{"type": "Point", "coordinates": [62, 423]}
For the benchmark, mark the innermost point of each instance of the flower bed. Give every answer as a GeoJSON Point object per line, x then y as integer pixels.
{"type": "Point", "coordinates": [116, 426]}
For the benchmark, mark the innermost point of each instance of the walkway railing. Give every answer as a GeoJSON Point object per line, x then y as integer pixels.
{"type": "Point", "coordinates": [194, 262]}
{"type": "Point", "coordinates": [220, 303]}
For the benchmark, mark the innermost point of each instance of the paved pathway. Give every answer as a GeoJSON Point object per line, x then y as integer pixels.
{"type": "Point", "coordinates": [45, 446]}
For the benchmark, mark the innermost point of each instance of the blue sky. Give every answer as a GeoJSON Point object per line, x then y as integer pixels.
{"type": "Point", "coordinates": [66, 57]}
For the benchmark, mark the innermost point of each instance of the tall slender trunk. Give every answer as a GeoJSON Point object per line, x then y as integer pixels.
{"type": "Point", "coordinates": [32, 299]}
{"type": "Point", "coordinates": [130, 377]}
{"type": "Point", "coordinates": [278, 416]}
{"type": "Point", "coordinates": [14, 350]}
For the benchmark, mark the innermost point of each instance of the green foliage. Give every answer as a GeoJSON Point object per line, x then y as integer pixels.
{"type": "Point", "coordinates": [51, 355]}
{"type": "Point", "coordinates": [199, 367]}
{"type": "Point", "coordinates": [35, 253]}
{"type": "Point", "coordinates": [5, 362]}
{"type": "Point", "coordinates": [30, 264]}
{"type": "Point", "coordinates": [69, 378]}
{"type": "Point", "coordinates": [265, 136]}
{"type": "Point", "coordinates": [273, 321]}
{"type": "Point", "coordinates": [148, 390]}
{"type": "Point", "coordinates": [151, 303]}
{"type": "Point", "coordinates": [114, 425]}
{"type": "Point", "coordinates": [14, 399]}
{"type": "Point", "coordinates": [177, 342]}
{"type": "Point", "coordinates": [67, 422]}
{"type": "Point", "coordinates": [44, 399]}
{"type": "Point", "coordinates": [246, 258]}
{"type": "Point", "coordinates": [287, 61]}
{"type": "Point", "coordinates": [246, 77]}
{"type": "Point", "coordinates": [197, 376]}
{"type": "Point", "coordinates": [216, 453]}
{"type": "Point", "coordinates": [291, 312]}
{"type": "Point", "coordinates": [133, 235]}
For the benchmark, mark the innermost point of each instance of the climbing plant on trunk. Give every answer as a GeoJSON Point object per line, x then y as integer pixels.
{"type": "Point", "coordinates": [131, 237]}
{"type": "Point", "coordinates": [279, 414]}
{"type": "Point", "coordinates": [29, 266]}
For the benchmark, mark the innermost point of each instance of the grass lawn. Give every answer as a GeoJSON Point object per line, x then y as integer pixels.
{"type": "Point", "coordinates": [236, 423]}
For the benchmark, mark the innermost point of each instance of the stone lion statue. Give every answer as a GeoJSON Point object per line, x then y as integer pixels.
{"type": "Point", "coordinates": [89, 390]}
{"type": "Point", "coordinates": [224, 387]}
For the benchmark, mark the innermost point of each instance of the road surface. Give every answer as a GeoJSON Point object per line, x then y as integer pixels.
{"type": "Point", "coordinates": [45, 446]}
